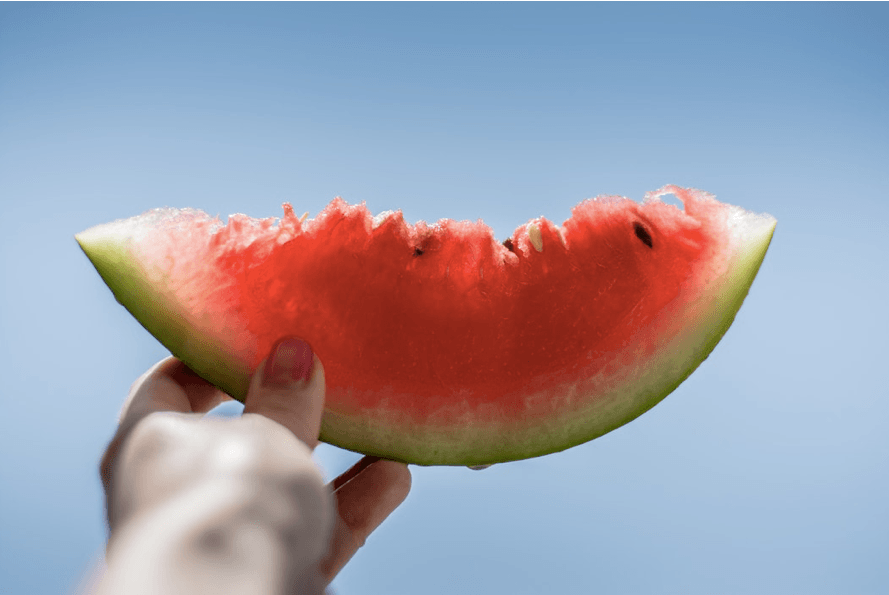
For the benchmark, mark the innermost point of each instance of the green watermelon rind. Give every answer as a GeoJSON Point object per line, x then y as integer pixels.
{"type": "Point", "coordinates": [108, 247]}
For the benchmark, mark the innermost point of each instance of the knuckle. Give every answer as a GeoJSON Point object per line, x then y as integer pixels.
{"type": "Point", "coordinates": [156, 436]}
{"type": "Point", "coordinates": [161, 428]}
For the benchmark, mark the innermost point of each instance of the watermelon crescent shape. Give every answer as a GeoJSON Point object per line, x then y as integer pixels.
{"type": "Point", "coordinates": [441, 345]}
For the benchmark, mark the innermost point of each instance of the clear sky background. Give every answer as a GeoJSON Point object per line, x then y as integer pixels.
{"type": "Point", "coordinates": [766, 472]}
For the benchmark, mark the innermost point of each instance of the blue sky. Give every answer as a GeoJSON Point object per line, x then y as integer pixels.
{"type": "Point", "coordinates": [766, 472]}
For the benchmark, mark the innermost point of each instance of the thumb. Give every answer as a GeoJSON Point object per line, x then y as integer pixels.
{"type": "Point", "coordinates": [288, 388]}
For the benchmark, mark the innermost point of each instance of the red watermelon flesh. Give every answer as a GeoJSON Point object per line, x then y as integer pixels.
{"type": "Point", "coordinates": [440, 344]}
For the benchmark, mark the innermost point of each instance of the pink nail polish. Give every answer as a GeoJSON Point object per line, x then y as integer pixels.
{"type": "Point", "coordinates": [291, 361]}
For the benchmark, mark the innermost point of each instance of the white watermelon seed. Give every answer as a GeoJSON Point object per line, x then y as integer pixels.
{"type": "Point", "coordinates": [536, 237]}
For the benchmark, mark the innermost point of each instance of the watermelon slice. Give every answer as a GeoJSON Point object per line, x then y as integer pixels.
{"type": "Point", "coordinates": [441, 345]}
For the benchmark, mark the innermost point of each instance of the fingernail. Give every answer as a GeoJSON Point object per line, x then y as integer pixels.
{"type": "Point", "coordinates": [291, 361]}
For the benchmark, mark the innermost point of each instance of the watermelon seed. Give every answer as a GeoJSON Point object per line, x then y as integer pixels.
{"type": "Point", "coordinates": [536, 237]}
{"type": "Point", "coordinates": [509, 245]}
{"type": "Point", "coordinates": [418, 252]}
{"type": "Point", "coordinates": [643, 234]}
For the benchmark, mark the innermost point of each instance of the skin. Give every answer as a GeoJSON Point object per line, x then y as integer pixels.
{"type": "Point", "coordinates": [200, 505]}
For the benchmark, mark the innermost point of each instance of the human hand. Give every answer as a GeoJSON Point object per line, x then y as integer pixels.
{"type": "Point", "coordinates": [234, 505]}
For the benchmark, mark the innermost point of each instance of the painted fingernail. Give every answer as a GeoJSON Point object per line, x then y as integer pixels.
{"type": "Point", "coordinates": [291, 361]}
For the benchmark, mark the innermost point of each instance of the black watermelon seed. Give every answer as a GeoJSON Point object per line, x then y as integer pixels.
{"type": "Point", "coordinates": [643, 234]}
{"type": "Point", "coordinates": [418, 252]}
{"type": "Point", "coordinates": [508, 243]}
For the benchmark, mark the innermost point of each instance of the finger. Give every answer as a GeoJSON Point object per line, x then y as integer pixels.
{"type": "Point", "coordinates": [289, 388]}
{"type": "Point", "coordinates": [353, 472]}
{"type": "Point", "coordinates": [169, 385]}
{"type": "Point", "coordinates": [363, 502]}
